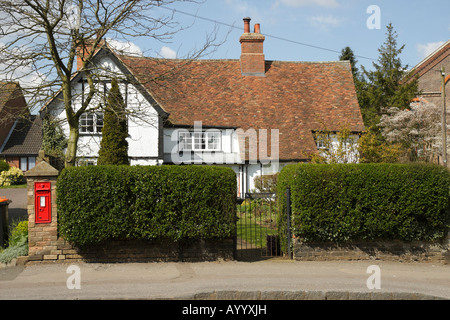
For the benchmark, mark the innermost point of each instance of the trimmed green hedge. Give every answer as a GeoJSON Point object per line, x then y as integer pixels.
{"type": "Point", "coordinates": [178, 203]}
{"type": "Point", "coordinates": [342, 203]}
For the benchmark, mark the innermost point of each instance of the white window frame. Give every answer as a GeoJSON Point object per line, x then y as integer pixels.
{"type": "Point", "coordinates": [96, 127]}
{"type": "Point", "coordinates": [321, 141]}
{"type": "Point", "coordinates": [185, 141]}
{"type": "Point", "coordinates": [24, 163]}
{"type": "Point", "coordinates": [27, 163]}
{"type": "Point", "coordinates": [321, 144]}
{"type": "Point", "coordinates": [200, 141]}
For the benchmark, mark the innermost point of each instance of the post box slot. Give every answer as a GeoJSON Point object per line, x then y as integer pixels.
{"type": "Point", "coordinates": [42, 202]}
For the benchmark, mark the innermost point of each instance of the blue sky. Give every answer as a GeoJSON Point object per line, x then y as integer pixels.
{"type": "Point", "coordinates": [331, 24]}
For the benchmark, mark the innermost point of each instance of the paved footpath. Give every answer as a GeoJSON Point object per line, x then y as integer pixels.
{"type": "Point", "coordinates": [226, 280]}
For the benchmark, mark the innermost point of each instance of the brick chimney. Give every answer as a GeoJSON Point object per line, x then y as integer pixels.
{"type": "Point", "coordinates": [84, 50]}
{"type": "Point", "coordinates": [252, 51]}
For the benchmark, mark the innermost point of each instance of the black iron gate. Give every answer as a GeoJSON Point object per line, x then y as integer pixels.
{"type": "Point", "coordinates": [257, 230]}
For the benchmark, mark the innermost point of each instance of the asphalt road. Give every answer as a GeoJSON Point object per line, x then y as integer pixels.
{"type": "Point", "coordinates": [17, 209]}
{"type": "Point", "coordinates": [229, 280]}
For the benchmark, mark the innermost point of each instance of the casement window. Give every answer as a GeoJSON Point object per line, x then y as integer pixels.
{"type": "Point", "coordinates": [323, 140]}
{"type": "Point", "coordinates": [27, 163]}
{"type": "Point", "coordinates": [200, 141]}
{"type": "Point", "coordinates": [86, 163]}
{"type": "Point", "coordinates": [321, 144]}
{"type": "Point", "coordinates": [91, 123]}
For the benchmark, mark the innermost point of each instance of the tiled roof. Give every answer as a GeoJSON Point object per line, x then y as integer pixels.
{"type": "Point", "coordinates": [26, 138]}
{"type": "Point", "coordinates": [10, 91]}
{"type": "Point", "coordinates": [296, 98]}
{"type": "Point", "coordinates": [6, 91]}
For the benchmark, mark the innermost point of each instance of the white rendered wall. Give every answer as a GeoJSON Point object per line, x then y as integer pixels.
{"type": "Point", "coordinates": [143, 121]}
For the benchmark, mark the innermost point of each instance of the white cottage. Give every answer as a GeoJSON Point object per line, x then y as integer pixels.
{"type": "Point", "coordinates": [250, 114]}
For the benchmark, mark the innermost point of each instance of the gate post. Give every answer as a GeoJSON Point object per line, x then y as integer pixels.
{"type": "Point", "coordinates": [288, 211]}
{"type": "Point", "coordinates": [42, 235]}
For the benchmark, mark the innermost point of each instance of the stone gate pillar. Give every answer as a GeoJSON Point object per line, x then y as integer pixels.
{"type": "Point", "coordinates": [42, 236]}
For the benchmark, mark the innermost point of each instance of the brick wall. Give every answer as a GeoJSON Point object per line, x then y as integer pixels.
{"type": "Point", "coordinates": [437, 252]}
{"type": "Point", "coordinates": [137, 251]}
{"type": "Point", "coordinates": [430, 79]}
{"type": "Point", "coordinates": [42, 238]}
{"type": "Point", "coordinates": [252, 54]}
{"type": "Point", "coordinates": [148, 251]}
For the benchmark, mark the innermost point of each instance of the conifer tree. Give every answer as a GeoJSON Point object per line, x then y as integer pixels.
{"type": "Point", "coordinates": [347, 54]}
{"type": "Point", "coordinates": [114, 146]}
{"type": "Point", "coordinates": [385, 85]}
{"type": "Point", "coordinates": [384, 88]}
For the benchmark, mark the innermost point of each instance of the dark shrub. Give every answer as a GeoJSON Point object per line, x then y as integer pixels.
{"type": "Point", "coordinates": [177, 203]}
{"type": "Point", "coordinates": [4, 166]}
{"type": "Point", "coordinates": [341, 203]}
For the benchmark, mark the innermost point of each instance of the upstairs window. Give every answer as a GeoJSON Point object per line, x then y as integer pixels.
{"type": "Point", "coordinates": [91, 123]}
{"type": "Point", "coordinates": [200, 141]}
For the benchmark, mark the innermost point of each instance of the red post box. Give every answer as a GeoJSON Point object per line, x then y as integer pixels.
{"type": "Point", "coordinates": [42, 202]}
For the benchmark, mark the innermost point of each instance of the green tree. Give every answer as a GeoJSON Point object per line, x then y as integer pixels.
{"type": "Point", "coordinates": [385, 85]}
{"type": "Point", "coordinates": [347, 54]}
{"type": "Point", "coordinates": [361, 84]}
{"type": "Point", "coordinates": [379, 90]}
{"type": "Point", "coordinates": [373, 148]}
{"type": "Point", "coordinates": [54, 142]}
{"type": "Point", "coordinates": [114, 146]}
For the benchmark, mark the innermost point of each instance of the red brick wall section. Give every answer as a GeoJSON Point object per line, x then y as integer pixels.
{"type": "Point", "coordinates": [252, 57]}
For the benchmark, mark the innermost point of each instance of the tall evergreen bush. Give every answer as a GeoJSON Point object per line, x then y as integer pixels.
{"type": "Point", "coordinates": [114, 146]}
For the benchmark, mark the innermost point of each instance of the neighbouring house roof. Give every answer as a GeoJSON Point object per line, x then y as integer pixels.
{"type": "Point", "coordinates": [296, 98]}
{"type": "Point", "coordinates": [431, 61]}
{"type": "Point", "coordinates": [12, 100]}
{"type": "Point", "coordinates": [25, 138]}
{"type": "Point", "coordinates": [12, 106]}
{"type": "Point", "coordinates": [7, 90]}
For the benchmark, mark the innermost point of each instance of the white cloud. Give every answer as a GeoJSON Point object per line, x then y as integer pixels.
{"type": "Point", "coordinates": [426, 49]}
{"type": "Point", "coordinates": [127, 48]}
{"type": "Point", "coordinates": [167, 53]}
{"type": "Point", "coordinates": [21, 70]}
{"type": "Point", "coordinates": [302, 3]}
{"type": "Point", "coordinates": [31, 81]}
{"type": "Point", "coordinates": [325, 21]}
{"type": "Point", "coordinates": [243, 8]}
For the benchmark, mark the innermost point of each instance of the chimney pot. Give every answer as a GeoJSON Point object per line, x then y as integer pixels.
{"type": "Point", "coordinates": [247, 25]}
{"type": "Point", "coordinates": [252, 51]}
